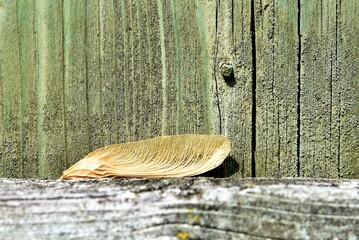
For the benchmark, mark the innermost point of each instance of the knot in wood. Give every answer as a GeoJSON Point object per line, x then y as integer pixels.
{"type": "Point", "coordinates": [226, 68]}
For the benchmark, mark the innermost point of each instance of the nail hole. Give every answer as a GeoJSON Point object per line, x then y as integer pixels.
{"type": "Point", "coordinates": [230, 80]}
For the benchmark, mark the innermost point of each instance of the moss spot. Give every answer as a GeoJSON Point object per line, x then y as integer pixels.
{"type": "Point", "coordinates": [182, 235]}
{"type": "Point", "coordinates": [195, 218]}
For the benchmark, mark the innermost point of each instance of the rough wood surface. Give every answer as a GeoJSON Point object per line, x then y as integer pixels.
{"type": "Point", "coordinates": [179, 208]}
{"type": "Point", "coordinates": [76, 76]}
{"type": "Point", "coordinates": [10, 81]}
{"type": "Point", "coordinates": [51, 111]}
{"type": "Point", "coordinates": [276, 40]}
{"type": "Point", "coordinates": [233, 93]}
{"type": "Point", "coordinates": [347, 89]}
{"type": "Point", "coordinates": [328, 80]}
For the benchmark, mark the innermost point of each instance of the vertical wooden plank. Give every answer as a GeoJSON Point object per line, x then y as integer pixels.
{"type": "Point", "coordinates": [75, 85]}
{"type": "Point", "coordinates": [193, 111]}
{"type": "Point", "coordinates": [234, 92]}
{"type": "Point", "coordinates": [163, 91]}
{"type": "Point", "coordinates": [108, 68]}
{"type": "Point", "coordinates": [241, 110]}
{"type": "Point", "coordinates": [120, 73]}
{"type": "Point", "coordinates": [129, 93]}
{"type": "Point", "coordinates": [318, 117]}
{"type": "Point", "coordinates": [347, 87]}
{"type": "Point", "coordinates": [138, 87]}
{"type": "Point", "coordinates": [155, 77]}
{"type": "Point", "coordinates": [11, 90]}
{"type": "Point", "coordinates": [169, 47]}
{"type": "Point", "coordinates": [93, 75]}
{"type": "Point", "coordinates": [276, 40]}
{"type": "Point", "coordinates": [136, 82]}
{"type": "Point", "coordinates": [28, 62]}
{"type": "Point", "coordinates": [2, 160]}
{"type": "Point", "coordinates": [210, 47]}
{"type": "Point", "coordinates": [52, 155]}
{"type": "Point", "coordinates": [205, 116]}
{"type": "Point", "coordinates": [143, 34]}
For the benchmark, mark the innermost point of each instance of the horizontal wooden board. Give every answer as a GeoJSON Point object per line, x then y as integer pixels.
{"type": "Point", "coordinates": [187, 208]}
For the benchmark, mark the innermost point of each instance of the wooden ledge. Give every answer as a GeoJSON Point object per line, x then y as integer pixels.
{"type": "Point", "coordinates": [179, 208]}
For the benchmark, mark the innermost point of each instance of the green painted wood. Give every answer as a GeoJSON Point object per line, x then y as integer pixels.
{"type": "Point", "coordinates": [276, 39]}
{"type": "Point", "coordinates": [134, 77]}
{"type": "Point", "coordinates": [154, 87]}
{"type": "Point", "coordinates": [120, 73]}
{"type": "Point", "coordinates": [93, 73]}
{"type": "Point", "coordinates": [144, 70]}
{"type": "Point", "coordinates": [76, 76]}
{"type": "Point", "coordinates": [51, 118]}
{"type": "Point", "coordinates": [329, 89]}
{"type": "Point", "coordinates": [169, 42]}
{"type": "Point", "coordinates": [26, 17]}
{"type": "Point", "coordinates": [234, 92]}
{"type": "Point", "coordinates": [193, 81]}
{"type": "Point", "coordinates": [11, 145]}
{"type": "Point", "coordinates": [347, 88]}
{"type": "Point", "coordinates": [107, 68]}
{"type": "Point", "coordinates": [75, 82]}
{"type": "Point", "coordinates": [319, 115]}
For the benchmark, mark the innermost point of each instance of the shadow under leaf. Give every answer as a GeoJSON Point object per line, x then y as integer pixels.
{"type": "Point", "coordinates": [228, 168]}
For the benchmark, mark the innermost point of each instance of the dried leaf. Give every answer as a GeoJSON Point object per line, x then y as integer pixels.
{"type": "Point", "coordinates": [166, 156]}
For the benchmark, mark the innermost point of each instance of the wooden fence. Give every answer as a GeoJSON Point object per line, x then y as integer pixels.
{"type": "Point", "coordinates": [78, 75]}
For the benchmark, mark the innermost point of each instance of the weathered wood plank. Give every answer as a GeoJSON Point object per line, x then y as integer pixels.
{"type": "Point", "coordinates": [135, 87]}
{"type": "Point", "coordinates": [276, 40]}
{"type": "Point", "coordinates": [207, 18]}
{"type": "Point", "coordinates": [329, 90]}
{"type": "Point", "coordinates": [192, 74]}
{"type": "Point", "coordinates": [75, 83]}
{"type": "Point", "coordinates": [347, 89]}
{"type": "Point", "coordinates": [183, 208]}
{"type": "Point", "coordinates": [11, 145]}
{"type": "Point", "coordinates": [155, 75]}
{"type": "Point", "coordinates": [2, 131]}
{"type": "Point", "coordinates": [108, 68]}
{"type": "Point", "coordinates": [168, 21]}
{"type": "Point", "coordinates": [318, 80]}
{"type": "Point", "coordinates": [97, 72]}
{"type": "Point", "coordinates": [120, 39]}
{"type": "Point", "coordinates": [94, 92]}
{"type": "Point", "coordinates": [234, 92]}
{"type": "Point", "coordinates": [144, 69]}
{"type": "Point", "coordinates": [51, 127]}
{"type": "Point", "coordinates": [140, 78]}
{"type": "Point", "coordinates": [26, 17]}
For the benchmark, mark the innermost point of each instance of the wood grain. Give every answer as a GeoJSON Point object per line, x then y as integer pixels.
{"type": "Point", "coordinates": [329, 115]}
{"type": "Point", "coordinates": [347, 89]}
{"type": "Point", "coordinates": [276, 39]}
{"type": "Point", "coordinates": [26, 18]}
{"type": "Point", "coordinates": [198, 208]}
{"type": "Point", "coordinates": [319, 90]}
{"type": "Point", "coordinates": [51, 110]}
{"type": "Point", "coordinates": [11, 145]}
{"type": "Point", "coordinates": [93, 76]}
{"type": "Point", "coordinates": [75, 82]}
{"type": "Point", "coordinates": [77, 76]}
{"type": "Point", "coordinates": [233, 94]}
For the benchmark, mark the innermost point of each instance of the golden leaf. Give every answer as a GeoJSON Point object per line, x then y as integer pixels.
{"type": "Point", "coordinates": [166, 156]}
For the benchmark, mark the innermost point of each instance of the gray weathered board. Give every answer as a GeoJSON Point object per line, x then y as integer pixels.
{"type": "Point", "coordinates": [78, 75]}
{"type": "Point", "coordinates": [179, 208]}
